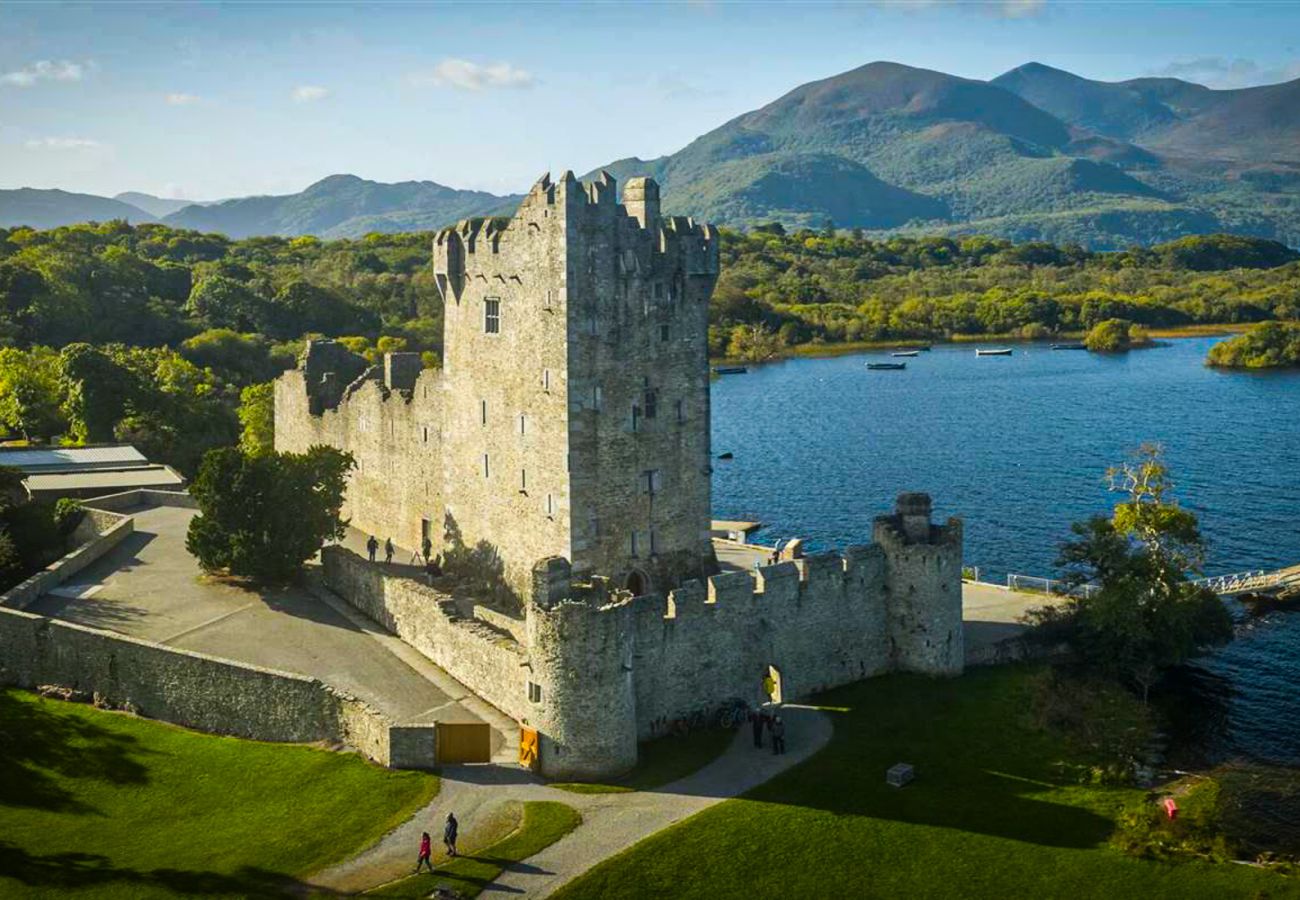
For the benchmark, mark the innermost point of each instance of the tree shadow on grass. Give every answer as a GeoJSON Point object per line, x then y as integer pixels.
{"type": "Point", "coordinates": [955, 787]}
{"type": "Point", "coordinates": [82, 870]}
{"type": "Point", "coordinates": [43, 748]}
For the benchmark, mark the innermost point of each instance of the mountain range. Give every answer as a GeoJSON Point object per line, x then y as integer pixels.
{"type": "Point", "coordinates": [1036, 153]}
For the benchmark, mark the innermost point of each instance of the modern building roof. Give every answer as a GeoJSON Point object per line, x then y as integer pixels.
{"type": "Point", "coordinates": [47, 459]}
{"type": "Point", "coordinates": [52, 472]}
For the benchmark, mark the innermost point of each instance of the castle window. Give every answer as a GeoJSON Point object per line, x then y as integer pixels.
{"type": "Point", "coordinates": [492, 315]}
{"type": "Point", "coordinates": [523, 424]}
{"type": "Point", "coordinates": [632, 544]}
{"type": "Point", "coordinates": [546, 380]}
{"type": "Point", "coordinates": [653, 542]}
{"type": "Point", "coordinates": [650, 403]}
{"type": "Point", "coordinates": [534, 692]}
{"type": "Point", "coordinates": [597, 398]}
{"type": "Point", "coordinates": [550, 505]}
{"type": "Point", "coordinates": [523, 481]}
{"type": "Point", "coordinates": [487, 472]}
{"type": "Point", "coordinates": [681, 411]}
{"type": "Point", "coordinates": [593, 326]}
{"type": "Point", "coordinates": [636, 417]}
{"type": "Point", "coordinates": [593, 527]}
{"type": "Point", "coordinates": [482, 411]}
{"type": "Point", "coordinates": [653, 481]}
{"type": "Point", "coordinates": [659, 290]}
{"type": "Point", "coordinates": [426, 434]}
{"type": "Point", "coordinates": [663, 333]}
{"type": "Point", "coordinates": [549, 302]}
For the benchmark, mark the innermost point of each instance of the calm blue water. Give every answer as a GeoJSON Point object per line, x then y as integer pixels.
{"type": "Point", "coordinates": [1017, 446]}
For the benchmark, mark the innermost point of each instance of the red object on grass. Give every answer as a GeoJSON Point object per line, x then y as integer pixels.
{"type": "Point", "coordinates": [1171, 808]}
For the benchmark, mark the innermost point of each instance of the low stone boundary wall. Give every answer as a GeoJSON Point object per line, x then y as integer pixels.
{"type": "Point", "coordinates": [134, 499]}
{"type": "Point", "coordinates": [469, 651]}
{"type": "Point", "coordinates": [100, 532]}
{"type": "Point", "coordinates": [202, 692]}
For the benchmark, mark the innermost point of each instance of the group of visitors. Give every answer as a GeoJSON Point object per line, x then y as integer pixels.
{"type": "Point", "coordinates": [762, 720]}
{"type": "Point", "coordinates": [449, 830]}
{"type": "Point", "coordinates": [432, 563]}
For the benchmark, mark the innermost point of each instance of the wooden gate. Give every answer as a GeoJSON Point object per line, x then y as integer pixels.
{"type": "Point", "coordinates": [464, 742]}
{"type": "Point", "coordinates": [529, 748]}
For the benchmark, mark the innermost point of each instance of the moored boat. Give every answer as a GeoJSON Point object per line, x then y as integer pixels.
{"type": "Point", "coordinates": [1069, 347]}
{"type": "Point", "coordinates": [994, 351]}
{"type": "Point", "coordinates": [886, 367]}
{"type": "Point", "coordinates": [729, 370]}
{"type": "Point", "coordinates": [905, 353]}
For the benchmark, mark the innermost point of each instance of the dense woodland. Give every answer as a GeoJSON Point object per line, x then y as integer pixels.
{"type": "Point", "coordinates": [151, 334]}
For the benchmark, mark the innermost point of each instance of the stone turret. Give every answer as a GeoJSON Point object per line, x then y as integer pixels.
{"type": "Point", "coordinates": [581, 694]}
{"type": "Point", "coordinates": [923, 587]}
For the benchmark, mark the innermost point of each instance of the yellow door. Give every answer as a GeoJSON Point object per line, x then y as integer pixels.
{"type": "Point", "coordinates": [464, 742]}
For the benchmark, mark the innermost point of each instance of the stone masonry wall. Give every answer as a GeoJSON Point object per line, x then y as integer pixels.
{"type": "Point", "coordinates": [395, 436]}
{"type": "Point", "coordinates": [487, 661]}
{"type": "Point", "coordinates": [192, 689]}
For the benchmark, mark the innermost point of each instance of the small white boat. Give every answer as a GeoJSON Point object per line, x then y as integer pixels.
{"type": "Point", "coordinates": [906, 353]}
{"type": "Point", "coordinates": [994, 351]}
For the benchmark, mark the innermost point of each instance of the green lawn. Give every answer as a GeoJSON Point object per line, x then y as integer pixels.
{"type": "Point", "coordinates": [995, 811]}
{"type": "Point", "coordinates": [661, 761]}
{"type": "Point", "coordinates": [544, 822]}
{"type": "Point", "coordinates": [99, 804]}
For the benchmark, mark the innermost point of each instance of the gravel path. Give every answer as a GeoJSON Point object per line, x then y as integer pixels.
{"type": "Point", "coordinates": [610, 822]}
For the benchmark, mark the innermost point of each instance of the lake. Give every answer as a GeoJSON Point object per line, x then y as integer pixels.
{"type": "Point", "coordinates": [1018, 447]}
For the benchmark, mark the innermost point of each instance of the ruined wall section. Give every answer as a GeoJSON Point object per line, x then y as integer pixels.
{"type": "Point", "coordinates": [505, 449]}
{"type": "Point", "coordinates": [392, 426]}
{"type": "Point", "coordinates": [638, 291]}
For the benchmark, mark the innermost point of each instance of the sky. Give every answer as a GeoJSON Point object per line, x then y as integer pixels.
{"type": "Point", "coordinates": [206, 101]}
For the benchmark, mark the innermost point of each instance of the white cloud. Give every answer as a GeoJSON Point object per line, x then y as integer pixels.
{"type": "Point", "coordinates": [1020, 9]}
{"type": "Point", "coordinates": [1220, 72]}
{"type": "Point", "coordinates": [181, 99]}
{"type": "Point", "coordinates": [463, 75]}
{"type": "Point", "coordinates": [44, 70]}
{"type": "Point", "coordinates": [309, 93]}
{"type": "Point", "coordinates": [62, 143]}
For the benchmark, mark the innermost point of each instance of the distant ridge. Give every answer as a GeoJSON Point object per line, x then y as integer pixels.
{"type": "Point", "coordinates": [340, 206]}
{"type": "Point", "coordinates": [1036, 153]}
{"type": "Point", "coordinates": [52, 208]}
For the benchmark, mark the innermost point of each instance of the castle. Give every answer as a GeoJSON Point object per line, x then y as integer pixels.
{"type": "Point", "coordinates": [562, 457]}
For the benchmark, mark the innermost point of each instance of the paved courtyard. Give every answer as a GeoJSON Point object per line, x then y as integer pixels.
{"type": "Point", "coordinates": [151, 587]}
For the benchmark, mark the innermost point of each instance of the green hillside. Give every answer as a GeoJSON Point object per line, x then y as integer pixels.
{"type": "Point", "coordinates": [339, 206]}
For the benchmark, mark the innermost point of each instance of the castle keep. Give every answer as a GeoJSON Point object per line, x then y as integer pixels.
{"type": "Point", "coordinates": [571, 414]}
{"type": "Point", "coordinates": [562, 455]}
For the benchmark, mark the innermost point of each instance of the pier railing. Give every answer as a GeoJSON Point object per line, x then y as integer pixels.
{"type": "Point", "coordinates": [1034, 584]}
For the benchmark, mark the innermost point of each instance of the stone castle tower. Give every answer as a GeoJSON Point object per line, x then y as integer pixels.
{"type": "Point", "coordinates": [570, 418]}
{"type": "Point", "coordinates": [562, 453]}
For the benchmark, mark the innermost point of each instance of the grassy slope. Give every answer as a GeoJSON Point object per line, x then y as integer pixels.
{"type": "Point", "coordinates": [106, 805]}
{"type": "Point", "coordinates": [993, 813]}
{"type": "Point", "coordinates": [544, 822]}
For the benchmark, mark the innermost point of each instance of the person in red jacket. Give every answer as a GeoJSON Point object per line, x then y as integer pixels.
{"type": "Point", "coordinates": [426, 849]}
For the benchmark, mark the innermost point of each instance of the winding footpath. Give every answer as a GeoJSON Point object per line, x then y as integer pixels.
{"type": "Point", "coordinates": [610, 822]}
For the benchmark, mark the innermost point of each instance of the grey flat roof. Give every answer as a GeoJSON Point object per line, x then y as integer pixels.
{"type": "Point", "coordinates": [44, 459]}
{"type": "Point", "coordinates": [109, 480]}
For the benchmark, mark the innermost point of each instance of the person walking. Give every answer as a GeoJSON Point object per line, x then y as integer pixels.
{"type": "Point", "coordinates": [426, 548]}
{"type": "Point", "coordinates": [388, 552]}
{"type": "Point", "coordinates": [756, 722]}
{"type": "Point", "coordinates": [372, 546]}
{"type": "Point", "coordinates": [426, 851]}
{"type": "Point", "coordinates": [449, 834]}
{"type": "Point", "coordinates": [778, 735]}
